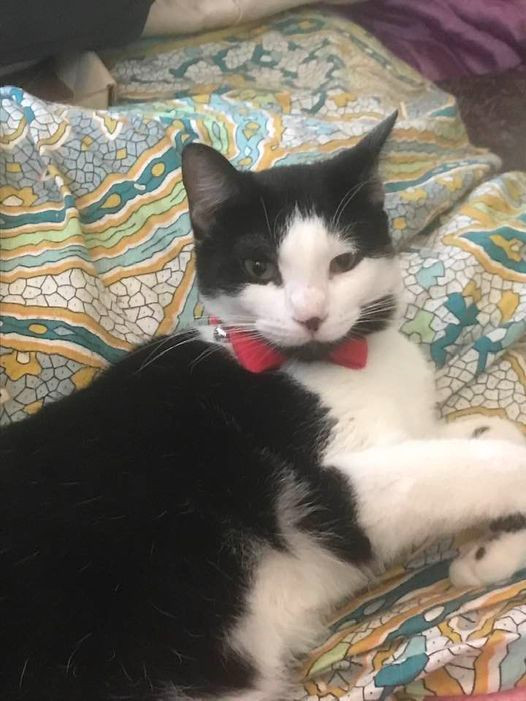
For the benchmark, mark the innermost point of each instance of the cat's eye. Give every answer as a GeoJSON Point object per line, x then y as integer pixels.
{"type": "Point", "coordinates": [342, 263]}
{"type": "Point", "coordinates": [260, 269]}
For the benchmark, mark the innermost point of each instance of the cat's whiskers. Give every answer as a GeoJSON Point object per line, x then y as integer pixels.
{"type": "Point", "coordinates": [346, 200]}
{"type": "Point", "coordinates": [266, 215]}
{"type": "Point", "coordinates": [276, 223]}
{"type": "Point", "coordinates": [153, 359]}
{"type": "Point", "coordinates": [374, 313]}
{"type": "Point", "coordinates": [375, 308]}
{"type": "Point", "coordinates": [239, 324]}
{"type": "Point", "coordinates": [227, 321]}
{"type": "Point", "coordinates": [208, 351]}
{"type": "Point", "coordinates": [159, 343]}
{"type": "Point", "coordinates": [274, 327]}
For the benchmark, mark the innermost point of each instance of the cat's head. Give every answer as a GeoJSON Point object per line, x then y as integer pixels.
{"type": "Point", "coordinates": [301, 253]}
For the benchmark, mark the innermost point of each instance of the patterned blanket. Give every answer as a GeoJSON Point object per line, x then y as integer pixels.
{"type": "Point", "coordinates": [97, 255]}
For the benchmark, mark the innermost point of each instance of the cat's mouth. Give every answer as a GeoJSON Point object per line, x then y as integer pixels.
{"type": "Point", "coordinates": [374, 316]}
{"type": "Point", "coordinates": [312, 350]}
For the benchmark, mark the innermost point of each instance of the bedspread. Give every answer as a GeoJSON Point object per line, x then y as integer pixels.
{"type": "Point", "coordinates": [97, 256]}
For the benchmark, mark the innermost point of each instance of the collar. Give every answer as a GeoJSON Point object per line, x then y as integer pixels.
{"type": "Point", "coordinates": [257, 356]}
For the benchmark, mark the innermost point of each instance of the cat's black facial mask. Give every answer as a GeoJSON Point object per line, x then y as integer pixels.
{"type": "Point", "coordinates": [301, 254]}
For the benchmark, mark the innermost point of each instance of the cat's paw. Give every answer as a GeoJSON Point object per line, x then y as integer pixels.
{"type": "Point", "coordinates": [490, 562]}
{"type": "Point", "coordinates": [485, 428]}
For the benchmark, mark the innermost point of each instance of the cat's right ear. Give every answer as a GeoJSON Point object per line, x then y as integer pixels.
{"type": "Point", "coordinates": [210, 182]}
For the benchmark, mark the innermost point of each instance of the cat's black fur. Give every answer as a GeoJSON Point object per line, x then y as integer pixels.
{"type": "Point", "coordinates": [131, 512]}
{"type": "Point", "coordinates": [126, 510]}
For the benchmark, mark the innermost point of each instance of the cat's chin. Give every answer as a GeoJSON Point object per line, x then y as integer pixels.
{"type": "Point", "coordinates": [312, 350]}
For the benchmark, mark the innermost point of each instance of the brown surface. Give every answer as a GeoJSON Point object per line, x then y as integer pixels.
{"type": "Point", "coordinates": [40, 80]}
{"type": "Point", "coordinates": [494, 110]}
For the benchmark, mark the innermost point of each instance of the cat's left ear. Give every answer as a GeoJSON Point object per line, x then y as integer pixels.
{"type": "Point", "coordinates": [360, 163]}
{"type": "Point", "coordinates": [210, 182]}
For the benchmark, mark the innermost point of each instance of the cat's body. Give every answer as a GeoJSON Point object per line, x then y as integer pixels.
{"type": "Point", "coordinates": [182, 527]}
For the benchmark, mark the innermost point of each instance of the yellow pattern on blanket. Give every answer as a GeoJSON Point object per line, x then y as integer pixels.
{"type": "Point", "coordinates": [97, 255]}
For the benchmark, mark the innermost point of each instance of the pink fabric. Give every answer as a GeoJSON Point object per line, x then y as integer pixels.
{"type": "Point", "coordinates": [448, 38]}
{"type": "Point", "coordinates": [257, 356]}
{"type": "Point", "coordinates": [514, 695]}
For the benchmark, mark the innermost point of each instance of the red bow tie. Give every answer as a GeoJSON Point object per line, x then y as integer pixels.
{"type": "Point", "coordinates": [257, 356]}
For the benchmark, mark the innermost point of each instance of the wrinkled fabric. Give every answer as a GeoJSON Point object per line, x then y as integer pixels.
{"type": "Point", "coordinates": [449, 38]}
{"type": "Point", "coordinates": [96, 255]}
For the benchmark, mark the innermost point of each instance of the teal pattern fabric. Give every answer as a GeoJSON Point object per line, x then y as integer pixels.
{"type": "Point", "coordinates": [97, 256]}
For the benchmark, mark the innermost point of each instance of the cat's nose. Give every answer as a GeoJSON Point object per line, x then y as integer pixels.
{"type": "Point", "coordinates": [308, 305]}
{"type": "Point", "coordinates": [312, 324]}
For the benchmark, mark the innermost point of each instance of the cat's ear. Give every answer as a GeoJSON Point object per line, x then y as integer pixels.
{"type": "Point", "coordinates": [210, 182]}
{"type": "Point", "coordinates": [373, 141]}
{"type": "Point", "coordinates": [360, 163]}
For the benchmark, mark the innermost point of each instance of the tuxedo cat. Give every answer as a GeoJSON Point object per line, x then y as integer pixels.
{"type": "Point", "coordinates": [181, 528]}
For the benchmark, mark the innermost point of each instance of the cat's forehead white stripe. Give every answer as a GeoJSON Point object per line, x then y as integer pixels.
{"type": "Point", "coordinates": [307, 249]}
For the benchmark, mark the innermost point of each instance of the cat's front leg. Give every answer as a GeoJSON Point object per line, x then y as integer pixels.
{"type": "Point", "coordinates": [495, 558]}
{"type": "Point", "coordinates": [502, 552]}
{"type": "Point", "coordinates": [429, 489]}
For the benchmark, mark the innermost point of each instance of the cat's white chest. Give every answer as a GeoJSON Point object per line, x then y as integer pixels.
{"type": "Point", "coordinates": [390, 400]}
